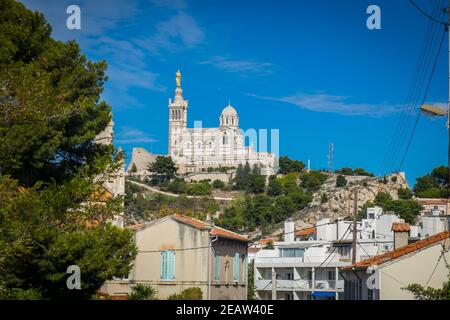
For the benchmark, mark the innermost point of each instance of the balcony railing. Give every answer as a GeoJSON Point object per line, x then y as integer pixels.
{"type": "Point", "coordinates": [296, 260]}
{"type": "Point", "coordinates": [301, 285]}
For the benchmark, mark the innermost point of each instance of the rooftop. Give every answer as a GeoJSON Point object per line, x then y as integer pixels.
{"type": "Point", "coordinates": [400, 227]}
{"type": "Point", "coordinates": [391, 255]}
{"type": "Point", "coordinates": [217, 231]}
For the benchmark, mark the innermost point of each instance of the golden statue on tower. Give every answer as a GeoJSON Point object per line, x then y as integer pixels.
{"type": "Point", "coordinates": [178, 78]}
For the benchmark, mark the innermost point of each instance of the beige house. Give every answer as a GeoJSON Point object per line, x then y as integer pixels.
{"type": "Point", "coordinates": [179, 252]}
{"type": "Point", "coordinates": [422, 262]}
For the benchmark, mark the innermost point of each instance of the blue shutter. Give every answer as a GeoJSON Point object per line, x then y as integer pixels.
{"type": "Point", "coordinates": [217, 270]}
{"type": "Point", "coordinates": [171, 265]}
{"type": "Point", "coordinates": [236, 267]}
{"type": "Point", "coordinates": [163, 265]}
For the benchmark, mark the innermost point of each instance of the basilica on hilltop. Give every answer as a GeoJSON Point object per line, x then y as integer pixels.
{"type": "Point", "coordinates": [196, 149]}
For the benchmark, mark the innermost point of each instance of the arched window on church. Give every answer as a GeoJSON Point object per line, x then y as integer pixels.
{"type": "Point", "coordinates": [225, 138]}
{"type": "Point", "coordinates": [232, 120]}
{"type": "Point", "coordinates": [227, 120]}
{"type": "Point", "coordinates": [175, 142]}
{"type": "Point", "coordinates": [210, 144]}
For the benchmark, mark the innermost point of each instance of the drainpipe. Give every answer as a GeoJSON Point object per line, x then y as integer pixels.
{"type": "Point", "coordinates": [211, 240]}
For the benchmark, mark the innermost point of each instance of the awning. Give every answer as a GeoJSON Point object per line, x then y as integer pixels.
{"type": "Point", "coordinates": [323, 294]}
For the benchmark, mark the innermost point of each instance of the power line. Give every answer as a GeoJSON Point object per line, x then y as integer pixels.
{"type": "Point", "coordinates": [423, 100]}
{"type": "Point", "coordinates": [404, 124]}
{"type": "Point", "coordinates": [426, 14]}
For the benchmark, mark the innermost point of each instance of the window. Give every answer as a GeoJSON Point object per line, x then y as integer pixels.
{"type": "Point", "coordinates": [331, 275]}
{"type": "Point", "coordinates": [292, 252]}
{"type": "Point", "coordinates": [217, 270]}
{"type": "Point", "coordinates": [236, 267]}
{"type": "Point", "coordinates": [168, 265]}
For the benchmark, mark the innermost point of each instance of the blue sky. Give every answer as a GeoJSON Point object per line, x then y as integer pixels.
{"type": "Point", "coordinates": [311, 69]}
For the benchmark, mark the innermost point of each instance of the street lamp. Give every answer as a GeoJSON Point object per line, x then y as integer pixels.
{"type": "Point", "coordinates": [433, 111]}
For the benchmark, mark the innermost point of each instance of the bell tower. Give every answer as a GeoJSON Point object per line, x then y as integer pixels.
{"type": "Point", "coordinates": [177, 118]}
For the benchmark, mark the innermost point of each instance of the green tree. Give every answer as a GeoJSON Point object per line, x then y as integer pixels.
{"type": "Point", "coordinates": [218, 184]}
{"type": "Point", "coordinates": [313, 180]}
{"type": "Point", "coordinates": [428, 293]}
{"type": "Point", "coordinates": [256, 183]}
{"type": "Point", "coordinates": [251, 281]}
{"type": "Point", "coordinates": [275, 188]}
{"type": "Point", "coordinates": [142, 292]}
{"type": "Point", "coordinates": [404, 193]}
{"type": "Point", "coordinates": [133, 168]}
{"type": "Point", "coordinates": [341, 181]}
{"type": "Point", "coordinates": [287, 165]}
{"type": "Point", "coordinates": [193, 293]}
{"type": "Point", "coordinates": [163, 167]}
{"type": "Point", "coordinates": [51, 172]}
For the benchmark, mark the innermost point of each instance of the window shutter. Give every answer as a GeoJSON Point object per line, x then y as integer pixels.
{"type": "Point", "coordinates": [163, 264]}
{"type": "Point", "coordinates": [172, 265]}
{"type": "Point", "coordinates": [236, 267]}
{"type": "Point", "coordinates": [217, 270]}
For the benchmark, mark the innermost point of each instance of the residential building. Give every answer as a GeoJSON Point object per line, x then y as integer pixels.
{"type": "Point", "coordinates": [434, 205]}
{"type": "Point", "coordinates": [178, 252]}
{"type": "Point", "coordinates": [306, 264]}
{"type": "Point", "coordinates": [421, 262]}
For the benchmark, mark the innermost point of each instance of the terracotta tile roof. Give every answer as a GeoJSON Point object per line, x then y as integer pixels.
{"type": "Point", "coordinates": [391, 255]}
{"type": "Point", "coordinates": [217, 231]}
{"type": "Point", "coordinates": [135, 226]}
{"type": "Point", "coordinates": [305, 232]}
{"type": "Point", "coordinates": [431, 201]}
{"type": "Point", "coordinates": [267, 240]}
{"type": "Point", "coordinates": [400, 227]}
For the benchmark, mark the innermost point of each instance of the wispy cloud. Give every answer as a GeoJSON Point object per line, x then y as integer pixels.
{"type": "Point", "coordinates": [240, 66]}
{"type": "Point", "coordinates": [179, 32]}
{"type": "Point", "coordinates": [128, 135]}
{"type": "Point", "coordinates": [322, 102]}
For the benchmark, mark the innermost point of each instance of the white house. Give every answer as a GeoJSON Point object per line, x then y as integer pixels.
{"type": "Point", "coordinates": [309, 269]}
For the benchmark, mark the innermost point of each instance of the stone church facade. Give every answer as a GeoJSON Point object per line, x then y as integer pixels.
{"type": "Point", "coordinates": [196, 149]}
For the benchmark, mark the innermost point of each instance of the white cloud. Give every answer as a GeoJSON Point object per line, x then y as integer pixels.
{"type": "Point", "coordinates": [240, 66]}
{"type": "Point", "coordinates": [180, 31]}
{"type": "Point", "coordinates": [322, 102]}
{"type": "Point", "coordinates": [129, 135]}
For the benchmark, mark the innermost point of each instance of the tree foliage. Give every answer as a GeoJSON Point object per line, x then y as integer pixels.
{"type": "Point", "coordinates": [287, 165]}
{"type": "Point", "coordinates": [341, 181]}
{"type": "Point", "coordinates": [163, 167]}
{"type": "Point", "coordinates": [428, 293]}
{"type": "Point", "coordinates": [51, 171]}
{"type": "Point", "coordinates": [142, 292]}
{"type": "Point", "coordinates": [434, 184]}
{"type": "Point", "coordinates": [194, 293]}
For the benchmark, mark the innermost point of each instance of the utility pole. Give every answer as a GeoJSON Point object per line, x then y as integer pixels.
{"type": "Point", "coordinates": [355, 213]}
{"type": "Point", "coordinates": [448, 105]}
{"type": "Point", "coordinates": [274, 284]}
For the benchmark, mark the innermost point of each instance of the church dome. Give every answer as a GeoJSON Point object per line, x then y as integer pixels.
{"type": "Point", "coordinates": [229, 111]}
{"type": "Point", "coordinates": [229, 117]}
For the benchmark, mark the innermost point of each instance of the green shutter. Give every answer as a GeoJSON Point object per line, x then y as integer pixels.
{"type": "Point", "coordinates": [217, 270]}
{"type": "Point", "coordinates": [236, 267]}
{"type": "Point", "coordinates": [171, 264]}
{"type": "Point", "coordinates": [163, 265]}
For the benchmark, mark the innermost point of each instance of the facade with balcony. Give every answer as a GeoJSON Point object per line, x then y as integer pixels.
{"type": "Point", "coordinates": [309, 269]}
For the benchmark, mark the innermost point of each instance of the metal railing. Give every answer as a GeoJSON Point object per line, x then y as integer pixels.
{"type": "Point", "coordinates": [301, 285]}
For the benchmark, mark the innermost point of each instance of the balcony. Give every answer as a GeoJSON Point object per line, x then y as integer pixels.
{"type": "Point", "coordinates": [261, 261]}
{"type": "Point", "coordinates": [301, 285]}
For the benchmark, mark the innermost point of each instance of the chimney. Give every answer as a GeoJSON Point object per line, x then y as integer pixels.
{"type": "Point", "coordinates": [289, 234]}
{"type": "Point", "coordinates": [208, 222]}
{"type": "Point", "coordinates": [401, 234]}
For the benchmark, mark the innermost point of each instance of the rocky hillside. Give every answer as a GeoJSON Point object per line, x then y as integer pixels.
{"type": "Point", "coordinates": [340, 200]}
